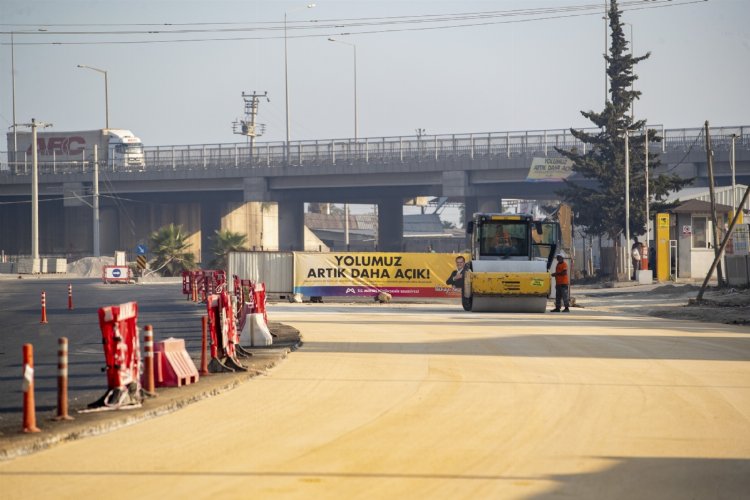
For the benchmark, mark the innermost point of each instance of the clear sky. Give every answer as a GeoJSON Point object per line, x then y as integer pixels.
{"type": "Point", "coordinates": [499, 76]}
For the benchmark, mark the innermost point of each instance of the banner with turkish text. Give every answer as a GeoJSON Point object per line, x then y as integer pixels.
{"type": "Point", "coordinates": [366, 274]}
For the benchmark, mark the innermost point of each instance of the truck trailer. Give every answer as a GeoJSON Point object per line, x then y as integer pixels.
{"type": "Point", "coordinates": [116, 149]}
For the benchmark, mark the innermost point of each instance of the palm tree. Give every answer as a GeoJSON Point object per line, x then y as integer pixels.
{"type": "Point", "coordinates": [171, 251]}
{"type": "Point", "coordinates": [224, 242]}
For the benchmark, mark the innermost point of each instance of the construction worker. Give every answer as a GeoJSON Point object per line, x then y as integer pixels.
{"type": "Point", "coordinates": [562, 282]}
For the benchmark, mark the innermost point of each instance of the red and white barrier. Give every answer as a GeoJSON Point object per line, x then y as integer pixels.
{"type": "Point", "coordinates": [70, 297]}
{"type": "Point", "coordinates": [119, 326]}
{"type": "Point", "coordinates": [259, 300]}
{"type": "Point", "coordinates": [173, 364]}
{"type": "Point", "coordinates": [223, 333]}
{"type": "Point", "coordinates": [203, 282]}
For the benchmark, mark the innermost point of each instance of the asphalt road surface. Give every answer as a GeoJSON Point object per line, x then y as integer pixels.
{"type": "Point", "coordinates": [159, 304]}
{"type": "Point", "coordinates": [426, 401]}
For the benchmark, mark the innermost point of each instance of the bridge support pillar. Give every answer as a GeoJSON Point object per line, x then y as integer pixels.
{"type": "Point", "coordinates": [291, 225]}
{"type": "Point", "coordinates": [390, 225]}
{"type": "Point", "coordinates": [486, 204]}
{"type": "Point", "coordinates": [489, 204]}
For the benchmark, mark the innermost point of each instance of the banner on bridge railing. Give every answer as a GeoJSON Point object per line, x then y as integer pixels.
{"type": "Point", "coordinates": [550, 169]}
{"type": "Point", "coordinates": [366, 274]}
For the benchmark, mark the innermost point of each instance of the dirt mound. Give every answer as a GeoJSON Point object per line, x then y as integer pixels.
{"type": "Point", "coordinates": [726, 297]}
{"type": "Point", "coordinates": [674, 289]}
{"type": "Point", "coordinates": [90, 267]}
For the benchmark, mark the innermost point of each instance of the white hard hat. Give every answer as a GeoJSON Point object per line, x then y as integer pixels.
{"type": "Point", "coordinates": [560, 254]}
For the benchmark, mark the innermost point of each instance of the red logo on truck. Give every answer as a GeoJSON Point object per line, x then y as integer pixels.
{"type": "Point", "coordinates": [65, 146]}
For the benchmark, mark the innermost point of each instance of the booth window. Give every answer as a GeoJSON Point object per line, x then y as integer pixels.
{"type": "Point", "coordinates": [700, 232]}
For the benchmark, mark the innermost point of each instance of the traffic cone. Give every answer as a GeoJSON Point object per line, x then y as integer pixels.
{"type": "Point", "coordinates": [70, 297]}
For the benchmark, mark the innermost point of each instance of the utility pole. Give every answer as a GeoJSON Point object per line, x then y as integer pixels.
{"type": "Point", "coordinates": [247, 127]}
{"type": "Point", "coordinates": [710, 163]}
{"type": "Point", "coordinates": [95, 186]}
{"type": "Point", "coordinates": [734, 181]}
{"type": "Point", "coordinates": [35, 191]}
{"type": "Point", "coordinates": [627, 202]}
{"type": "Point", "coordinates": [648, 198]}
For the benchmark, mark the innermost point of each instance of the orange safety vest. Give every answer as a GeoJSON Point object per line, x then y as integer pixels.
{"type": "Point", "coordinates": [561, 279]}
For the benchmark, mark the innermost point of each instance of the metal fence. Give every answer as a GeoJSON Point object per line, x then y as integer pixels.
{"type": "Point", "coordinates": [389, 150]}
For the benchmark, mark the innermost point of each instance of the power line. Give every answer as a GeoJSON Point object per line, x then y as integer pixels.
{"type": "Point", "coordinates": [419, 17]}
{"type": "Point", "coordinates": [315, 25]}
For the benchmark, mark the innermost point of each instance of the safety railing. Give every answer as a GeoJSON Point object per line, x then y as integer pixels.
{"type": "Point", "coordinates": [388, 150]}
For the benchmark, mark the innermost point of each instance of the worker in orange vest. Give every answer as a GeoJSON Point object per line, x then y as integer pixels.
{"type": "Point", "coordinates": [562, 282]}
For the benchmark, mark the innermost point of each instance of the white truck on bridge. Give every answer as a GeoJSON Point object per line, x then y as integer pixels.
{"type": "Point", "coordinates": [117, 149]}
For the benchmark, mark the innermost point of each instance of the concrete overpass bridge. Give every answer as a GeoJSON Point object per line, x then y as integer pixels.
{"type": "Point", "coordinates": [229, 186]}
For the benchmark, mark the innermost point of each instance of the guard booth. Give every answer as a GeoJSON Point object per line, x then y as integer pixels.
{"type": "Point", "coordinates": [691, 227]}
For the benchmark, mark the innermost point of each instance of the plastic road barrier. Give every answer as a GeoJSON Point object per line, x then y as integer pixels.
{"type": "Point", "coordinates": [223, 333]}
{"type": "Point", "coordinates": [119, 326]}
{"type": "Point", "coordinates": [70, 297]}
{"type": "Point", "coordinates": [259, 300]}
{"type": "Point", "coordinates": [173, 364]}
{"type": "Point", "coordinates": [257, 331]}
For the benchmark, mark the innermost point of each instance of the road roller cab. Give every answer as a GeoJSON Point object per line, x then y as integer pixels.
{"type": "Point", "coordinates": [510, 260]}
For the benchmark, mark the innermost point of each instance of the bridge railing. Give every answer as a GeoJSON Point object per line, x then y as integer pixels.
{"type": "Point", "coordinates": [389, 150]}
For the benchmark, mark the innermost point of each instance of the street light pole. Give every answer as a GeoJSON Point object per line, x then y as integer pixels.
{"type": "Point", "coordinates": [734, 184]}
{"type": "Point", "coordinates": [627, 201]}
{"type": "Point", "coordinates": [13, 83]}
{"type": "Point", "coordinates": [34, 189]}
{"type": "Point", "coordinates": [356, 135]}
{"type": "Point", "coordinates": [286, 79]}
{"type": "Point", "coordinates": [106, 91]}
{"type": "Point", "coordinates": [648, 197]}
{"type": "Point", "coordinates": [356, 120]}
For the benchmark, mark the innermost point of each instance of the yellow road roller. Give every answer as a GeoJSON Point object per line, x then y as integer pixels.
{"type": "Point", "coordinates": [510, 260]}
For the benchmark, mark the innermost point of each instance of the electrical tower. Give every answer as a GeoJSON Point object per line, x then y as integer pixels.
{"type": "Point", "coordinates": [248, 127]}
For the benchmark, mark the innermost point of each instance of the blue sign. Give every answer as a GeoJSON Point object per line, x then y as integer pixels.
{"type": "Point", "coordinates": [141, 250]}
{"type": "Point", "coordinates": [116, 273]}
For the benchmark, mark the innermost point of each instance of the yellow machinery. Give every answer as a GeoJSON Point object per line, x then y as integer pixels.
{"type": "Point", "coordinates": [510, 260]}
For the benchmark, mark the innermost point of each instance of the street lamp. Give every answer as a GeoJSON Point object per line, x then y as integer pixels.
{"type": "Point", "coordinates": [353, 46]}
{"type": "Point", "coordinates": [627, 202]}
{"type": "Point", "coordinates": [734, 182]}
{"type": "Point", "coordinates": [286, 76]}
{"type": "Point", "coordinates": [13, 82]}
{"type": "Point", "coordinates": [106, 91]}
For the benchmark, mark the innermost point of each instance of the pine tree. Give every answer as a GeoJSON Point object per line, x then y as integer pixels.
{"type": "Point", "coordinates": [601, 209]}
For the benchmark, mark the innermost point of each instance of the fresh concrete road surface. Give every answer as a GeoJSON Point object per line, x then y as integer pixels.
{"type": "Point", "coordinates": [426, 401]}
